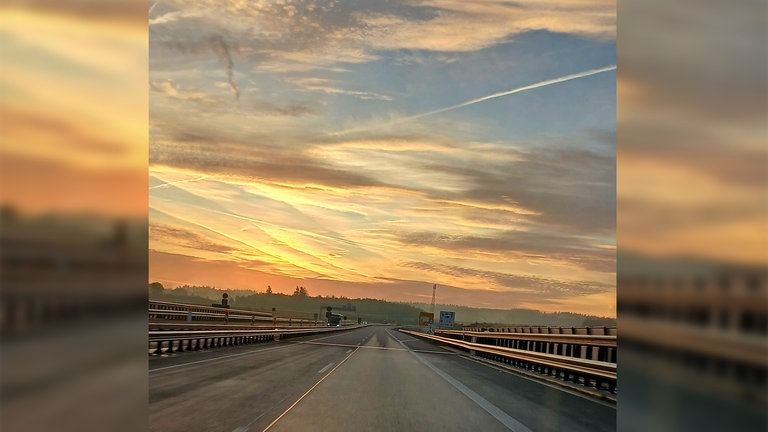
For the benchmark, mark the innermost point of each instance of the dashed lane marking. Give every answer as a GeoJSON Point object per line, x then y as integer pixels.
{"type": "Point", "coordinates": [328, 366]}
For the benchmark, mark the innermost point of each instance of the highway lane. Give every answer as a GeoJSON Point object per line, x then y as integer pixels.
{"type": "Point", "coordinates": [372, 378]}
{"type": "Point", "coordinates": [242, 387]}
{"type": "Point", "coordinates": [539, 406]}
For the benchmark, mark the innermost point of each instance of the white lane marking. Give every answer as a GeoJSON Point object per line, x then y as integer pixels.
{"type": "Point", "coordinates": [323, 343]}
{"type": "Point", "coordinates": [328, 366]}
{"type": "Point", "coordinates": [326, 337]}
{"type": "Point", "coordinates": [222, 358]}
{"type": "Point", "coordinates": [349, 351]}
{"type": "Point", "coordinates": [375, 348]}
{"type": "Point", "coordinates": [504, 418]}
{"type": "Point", "coordinates": [308, 391]}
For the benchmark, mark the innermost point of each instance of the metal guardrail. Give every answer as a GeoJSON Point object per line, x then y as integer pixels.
{"type": "Point", "coordinates": [177, 327]}
{"type": "Point", "coordinates": [588, 340]}
{"type": "Point", "coordinates": [598, 347]}
{"type": "Point", "coordinates": [589, 372]}
{"type": "Point", "coordinates": [181, 326]}
{"type": "Point", "coordinates": [170, 341]}
{"type": "Point", "coordinates": [169, 311]}
{"type": "Point", "coordinates": [591, 330]}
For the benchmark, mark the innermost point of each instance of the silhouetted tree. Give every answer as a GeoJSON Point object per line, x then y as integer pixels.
{"type": "Point", "coordinates": [269, 289]}
{"type": "Point", "coordinates": [156, 289]}
{"type": "Point", "coordinates": [180, 291]}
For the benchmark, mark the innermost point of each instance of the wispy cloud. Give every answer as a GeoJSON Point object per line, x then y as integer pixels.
{"type": "Point", "coordinates": [293, 35]}
{"type": "Point", "coordinates": [538, 286]}
{"type": "Point", "coordinates": [547, 245]}
{"type": "Point", "coordinates": [329, 87]}
{"type": "Point", "coordinates": [167, 184]}
{"type": "Point", "coordinates": [185, 238]}
{"type": "Point", "coordinates": [462, 26]}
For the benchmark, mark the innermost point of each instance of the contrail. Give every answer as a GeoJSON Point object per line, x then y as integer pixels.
{"type": "Point", "coordinates": [489, 97]}
{"type": "Point", "coordinates": [153, 6]}
{"type": "Point", "coordinates": [164, 185]}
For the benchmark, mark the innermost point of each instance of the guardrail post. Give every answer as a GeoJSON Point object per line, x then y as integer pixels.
{"type": "Point", "coordinates": [158, 348]}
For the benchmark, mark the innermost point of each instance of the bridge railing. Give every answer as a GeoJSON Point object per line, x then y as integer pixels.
{"type": "Point", "coordinates": [557, 355]}
{"type": "Point", "coordinates": [169, 341]}
{"type": "Point", "coordinates": [594, 330]}
{"type": "Point", "coordinates": [160, 311]}
{"type": "Point", "coordinates": [186, 327]}
{"type": "Point", "coordinates": [600, 347]}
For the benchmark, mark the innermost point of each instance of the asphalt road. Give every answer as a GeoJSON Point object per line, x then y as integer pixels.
{"type": "Point", "coordinates": [369, 379]}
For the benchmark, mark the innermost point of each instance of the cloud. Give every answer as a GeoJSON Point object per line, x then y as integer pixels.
{"type": "Point", "coordinates": [174, 16]}
{"type": "Point", "coordinates": [173, 91]}
{"type": "Point", "coordinates": [185, 238]}
{"type": "Point", "coordinates": [329, 87]}
{"type": "Point", "coordinates": [566, 187]}
{"type": "Point", "coordinates": [544, 245]}
{"type": "Point", "coordinates": [168, 184]}
{"type": "Point", "coordinates": [221, 48]}
{"type": "Point", "coordinates": [209, 155]}
{"type": "Point", "coordinates": [474, 25]}
{"type": "Point", "coordinates": [569, 189]}
{"type": "Point", "coordinates": [293, 34]}
{"type": "Point", "coordinates": [534, 287]}
{"type": "Point", "coordinates": [213, 102]}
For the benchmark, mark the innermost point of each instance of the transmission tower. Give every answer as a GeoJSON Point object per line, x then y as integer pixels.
{"type": "Point", "coordinates": [432, 308]}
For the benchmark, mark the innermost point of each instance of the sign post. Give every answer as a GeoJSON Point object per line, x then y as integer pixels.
{"type": "Point", "coordinates": [426, 320]}
{"type": "Point", "coordinates": [446, 319]}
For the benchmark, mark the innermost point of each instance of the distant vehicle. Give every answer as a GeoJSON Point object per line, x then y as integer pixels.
{"type": "Point", "coordinates": [334, 319]}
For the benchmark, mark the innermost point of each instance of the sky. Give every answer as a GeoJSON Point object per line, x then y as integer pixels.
{"type": "Point", "coordinates": [373, 149]}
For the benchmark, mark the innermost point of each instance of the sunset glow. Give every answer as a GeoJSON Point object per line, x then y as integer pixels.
{"type": "Point", "coordinates": [372, 151]}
